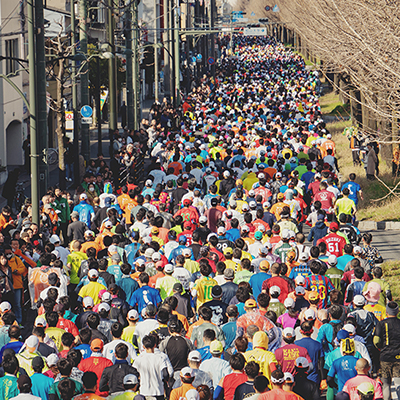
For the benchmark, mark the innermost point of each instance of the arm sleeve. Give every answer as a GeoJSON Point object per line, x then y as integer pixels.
{"type": "Point", "coordinates": [103, 385]}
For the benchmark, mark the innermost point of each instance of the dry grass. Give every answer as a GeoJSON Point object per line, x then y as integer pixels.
{"type": "Point", "coordinates": [391, 272]}
{"type": "Point", "coordinates": [388, 209]}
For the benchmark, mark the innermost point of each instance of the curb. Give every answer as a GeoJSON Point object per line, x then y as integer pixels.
{"type": "Point", "coordinates": [378, 226]}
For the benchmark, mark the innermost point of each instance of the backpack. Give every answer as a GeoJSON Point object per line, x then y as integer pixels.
{"type": "Point", "coordinates": [337, 326]}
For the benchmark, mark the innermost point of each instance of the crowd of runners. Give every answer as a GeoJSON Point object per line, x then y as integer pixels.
{"type": "Point", "coordinates": [232, 270]}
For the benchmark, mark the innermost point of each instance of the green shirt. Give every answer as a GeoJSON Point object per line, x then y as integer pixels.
{"type": "Point", "coordinates": [8, 387]}
{"type": "Point", "coordinates": [277, 307]}
{"type": "Point", "coordinates": [335, 275]}
{"type": "Point", "coordinates": [75, 259]}
{"type": "Point", "coordinates": [242, 276]}
{"type": "Point", "coordinates": [61, 205]}
{"type": "Point", "coordinates": [54, 388]}
{"type": "Point", "coordinates": [345, 206]}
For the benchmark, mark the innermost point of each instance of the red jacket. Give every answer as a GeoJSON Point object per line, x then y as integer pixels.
{"type": "Point", "coordinates": [96, 364]}
{"type": "Point", "coordinates": [334, 243]}
{"type": "Point", "coordinates": [68, 326]}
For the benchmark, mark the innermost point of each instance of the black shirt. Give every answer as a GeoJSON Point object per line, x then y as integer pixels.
{"type": "Point", "coordinates": [229, 290]}
{"type": "Point", "coordinates": [76, 231]}
{"type": "Point", "coordinates": [177, 348]}
{"type": "Point", "coordinates": [108, 278]}
{"type": "Point", "coordinates": [196, 249]}
{"type": "Point", "coordinates": [45, 350]}
{"type": "Point", "coordinates": [219, 312]}
{"type": "Point", "coordinates": [305, 388]}
{"type": "Point", "coordinates": [390, 343]}
{"type": "Point", "coordinates": [203, 231]}
{"type": "Point", "coordinates": [244, 390]}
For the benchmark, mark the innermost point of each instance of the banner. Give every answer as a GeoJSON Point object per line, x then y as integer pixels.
{"type": "Point", "coordinates": [103, 98]}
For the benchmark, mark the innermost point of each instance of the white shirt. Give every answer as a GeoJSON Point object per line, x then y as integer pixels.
{"type": "Point", "coordinates": [183, 276]}
{"type": "Point", "coordinates": [150, 367]}
{"type": "Point", "coordinates": [63, 252]}
{"type": "Point", "coordinates": [216, 369]}
{"type": "Point", "coordinates": [168, 247]}
{"type": "Point", "coordinates": [143, 328]}
{"type": "Point", "coordinates": [25, 396]}
{"type": "Point", "coordinates": [109, 350]}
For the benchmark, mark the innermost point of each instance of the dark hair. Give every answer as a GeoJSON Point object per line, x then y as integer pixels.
{"type": "Point", "coordinates": [237, 362]}
{"type": "Point", "coordinates": [10, 363]}
{"type": "Point", "coordinates": [116, 329]}
{"type": "Point", "coordinates": [148, 342]}
{"type": "Point", "coordinates": [66, 387]}
{"type": "Point", "coordinates": [336, 311]}
{"type": "Point", "coordinates": [67, 339]}
{"type": "Point", "coordinates": [64, 366]}
{"type": "Point", "coordinates": [74, 357]}
{"type": "Point", "coordinates": [52, 319]}
{"type": "Point", "coordinates": [252, 369]}
{"type": "Point", "coordinates": [205, 312]}
{"type": "Point", "coordinates": [121, 351]}
{"type": "Point", "coordinates": [85, 335]}
{"type": "Point", "coordinates": [261, 383]}
{"type": "Point", "coordinates": [263, 300]}
{"type": "Point", "coordinates": [271, 315]}
{"type": "Point", "coordinates": [93, 321]}
{"type": "Point", "coordinates": [14, 331]}
{"type": "Point", "coordinates": [209, 334]}
{"type": "Point", "coordinates": [38, 331]}
{"type": "Point", "coordinates": [241, 344]}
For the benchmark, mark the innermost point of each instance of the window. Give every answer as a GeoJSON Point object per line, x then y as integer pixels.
{"type": "Point", "coordinates": [11, 52]}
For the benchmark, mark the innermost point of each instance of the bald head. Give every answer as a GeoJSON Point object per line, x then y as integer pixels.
{"type": "Point", "coordinates": [362, 365]}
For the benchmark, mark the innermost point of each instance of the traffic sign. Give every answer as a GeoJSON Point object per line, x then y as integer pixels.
{"type": "Point", "coordinates": [87, 120]}
{"type": "Point", "coordinates": [86, 111]}
{"type": "Point", "coordinates": [267, 8]}
{"type": "Point", "coordinates": [193, 60]}
{"type": "Point", "coordinates": [199, 57]}
{"type": "Point", "coordinates": [69, 120]}
{"type": "Point", "coordinates": [211, 60]}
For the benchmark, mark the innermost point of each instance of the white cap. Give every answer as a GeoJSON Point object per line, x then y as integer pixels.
{"type": "Point", "coordinates": [261, 176]}
{"type": "Point", "coordinates": [285, 234]}
{"type": "Point", "coordinates": [288, 332]}
{"type": "Point", "coordinates": [245, 207]}
{"type": "Point", "coordinates": [266, 204]}
{"type": "Point", "coordinates": [108, 224]}
{"type": "Point", "coordinates": [106, 296]}
{"type": "Point", "coordinates": [203, 219]}
{"type": "Point", "coordinates": [83, 196]}
{"type": "Point", "coordinates": [332, 260]}
{"type": "Point", "coordinates": [300, 280]}
{"type": "Point", "coordinates": [130, 379]}
{"type": "Point", "coordinates": [104, 306]}
{"type": "Point", "coordinates": [309, 314]}
{"type": "Point", "coordinates": [149, 182]}
{"type": "Point", "coordinates": [133, 315]}
{"type": "Point", "coordinates": [288, 377]}
{"type": "Point", "coordinates": [357, 249]}
{"type": "Point", "coordinates": [93, 273]}
{"type": "Point", "coordinates": [54, 239]}
{"type": "Point", "coordinates": [289, 302]}
{"type": "Point", "coordinates": [350, 328]}
{"type": "Point", "coordinates": [194, 356]}
{"type": "Point", "coordinates": [5, 306]}
{"type": "Point", "coordinates": [169, 268]}
{"type": "Point", "coordinates": [302, 362]}
{"type": "Point", "coordinates": [41, 321]}
{"type": "Point", "coordinates": [52, 360]}
{"type": "Point", "coordinates": [303, 257]}
{"type": "Point", "coordinates": [140, 262]}
{"type": "Point", "coordinates": [32, 341]}
{"type": "Point", "coordinates": [252, 193]}
{"type": "Point", "coordinates": [149, 252]}
{"type": "Point", "coordinates": [112, 249]}
{"type": "Point", "coordinates": [261, 228]}
{"type": "Point", "coordinates": [275, 289]}
{"type": "Point", "coordinates": [156, 256]}
{"type": "Point", "coordinates": [187, 251]}
{"type": "Point", "coordinates": [192, 394]}
{"type": "Point", "coordinates": [187, 371]}
{"type": "Point", "coordinates": [227, 174]}
{"type": "Point", "coordinates": [221, 230]}
{"type": "Point", "coordinates": [88, 302]}
{"type": "Point", "coordinates": [146, 240]}
{"type": "Point", "coordinates": [245, 228]}
{"type": "Point", "coordinates": [359, 300]}
{"type": "Point", "coordinates": [89, 233]}
{"type": "Point", "coordinates": [300, 290]}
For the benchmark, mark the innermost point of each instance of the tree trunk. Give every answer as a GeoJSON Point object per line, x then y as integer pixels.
{"type": "Point", "coordinates": [60, 121]}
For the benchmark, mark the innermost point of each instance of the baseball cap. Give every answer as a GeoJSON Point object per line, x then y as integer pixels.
{"type": "Point", "coordinates": [303, 257]}
{"type": "Point", "coordinates": [55, 239]}
{"type": "Point", "coordinates": [192, 394]}
{"type": "Point", "coordinates": [359, 300]}
{"type": "Point", "coordinates": [97, 344]}
{"type": "Point", "coordinates": [130, 379]}
{"type": "Point", "coordinates": [155, 230]}
{"type": "Point", "coordinates": [5, 306]}
{"type": "Point", "coordinates": [250, 303]}
{"type": "Point", "coordinates": [275, 289]}
{"type": "Point", "coordinates": [264, 265]}
{"type": "Point", "coordinates": [229, 273]}
{"type": "Point", "coordinates": [203, 219]}
{"type": "Point", "coordinates": [357, 249]}
{"type": "Point", "coordinates": [228, 251]}
{"type": "Point", "coordinates": [186, 202]}
{"type": "Point", "coordinates": [182, 239]}
{"type": "Point", "coordinates": [216, 347]}
{"type": "Point", "coordinates": [88, 302]}
{"type": "Point", "coordinates": [88, 232]}
{"type": "Point", "coordinates": [334, 226]}
{"type": "Point", "coordinates": [245, 228]}
{"type": "Point", "coordinates": [74, 214]}
{"type": "Point", "coordinates": [285, 234]}
{"type": "Point", "coordinates": [288, 377]}
{"type": "Point", "coordinates": [227, 174]}
{"type": "Point", "coordinates": [41, 322]}
{"type": "Point", "coordinates": [300, 280]}
{"type": "Point", "coordinates": [187, 251]}
{"type": "Point", "coordinates": [178, 287]}
{"type": "Point", "coordinates": [106, 296]}
{"type": "Point", "coordinates": [309, 314]}
{"type": "Point", "coordinates": [108, 224]}
{"type": "Point", "coordinates": [300, 290]}
{"type": "Point", "coordinates": [52, 360]}
{"type": "Point", "coordinates": [104, 307]}
{"type": "Point", "coordinates": [245, 207]}
{"type": "Point", "coordinates": [313, 295]}
{"type": "Point", "coordinates": [366, 388]}
{"type": "Point", "coordinates": [83, 196]}
{"type": "Point", "coordinates": [187, 372]}
{"type": "Point", "coordinates": [288, 303]}
{"type": "Point", "coordinates": [149, 182]}
{"type": "Point", "coordinates": [221, 230]}
{"type": "Point", "coordinates": [288, 332]}
{"type": "Point", "coordinates": [320, 217]}
{"type": "Point", "coordinates": [302, 362]}
{"type": "Point", "coordinates": [169, 269]}
{"type": "Point", "coordinates": [258, 235]}
{"type": "Point", "coordinates": [133, 315]}
{"type": "Point", "coordinates": [332, 260]}
{"type": "Point", "coordinates": [93, 273]}
{"type": "Point", "coordinates": [194, 356]}
{"type": "Point", "coordinates": [280, 196]}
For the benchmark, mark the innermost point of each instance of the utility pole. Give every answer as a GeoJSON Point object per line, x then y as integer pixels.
{"type": "Point", "coordinates": [112, 76]}
{"type": "Point", "coordinates": [130, 106]}
{"type": "Point", "coordinates": [41, 93]}
{"type": "Point", "coordinates": [212, 20]}
{"type": "Point", "coordinates": [177, 54]}
{"type": "Point", "coordinates": [85, 146]}
{"type": "Point", "coordinates": [136, 68]}
{"type": "Point", "coordinates": [74, 97]}
{"type": "Point", "coordinates": [32, 118]}
{"type": "Point", "coordinates": [167, 44]}
{"type": "Point", "coordinates": [98, 107]}
{"type": "Point", "coordinates": [155, 51]}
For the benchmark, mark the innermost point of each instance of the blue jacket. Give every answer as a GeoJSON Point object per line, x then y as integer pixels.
{"type": "Point", "coordinates": [318, 231]}
{"type": "Point", "coordinates": [85, 211]}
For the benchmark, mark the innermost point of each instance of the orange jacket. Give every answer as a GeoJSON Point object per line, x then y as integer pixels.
{"type": "Point", "coordinates": [4, 223]}
{"type": "Point", "coordinates": [18, 269]}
